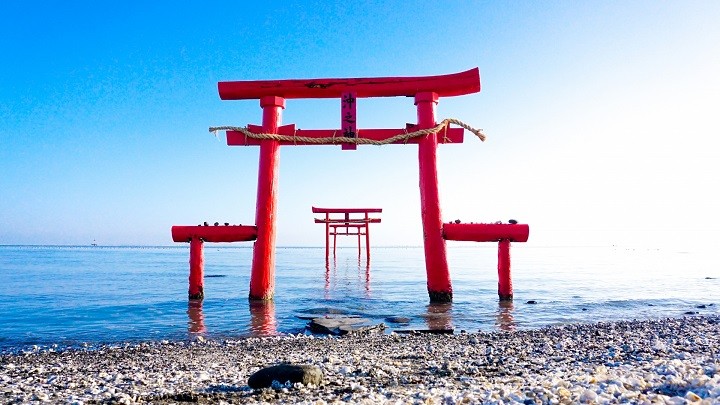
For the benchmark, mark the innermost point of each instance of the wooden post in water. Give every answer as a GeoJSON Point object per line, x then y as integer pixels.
{"type": "Point", "coordinates": [436, 266]}
{"type": "Point", "coordinates": [367, 239]}
{"type": "Point", "coordinates": [505, 291]}
{"type": "Point", "coordinates": [262, 275]}
{"type": "Point", "coordinates": [195, 291]}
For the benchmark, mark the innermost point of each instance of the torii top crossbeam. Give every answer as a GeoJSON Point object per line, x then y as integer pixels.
{"type": "Point", "coordinates": [456, 84]}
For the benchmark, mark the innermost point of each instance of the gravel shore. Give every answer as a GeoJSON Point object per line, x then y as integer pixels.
{"type": "Point", "coordinates": [672, 361]}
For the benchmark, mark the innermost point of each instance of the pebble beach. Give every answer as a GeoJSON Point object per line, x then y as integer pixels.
{"type": "Point", "coordinates": [667, 361]}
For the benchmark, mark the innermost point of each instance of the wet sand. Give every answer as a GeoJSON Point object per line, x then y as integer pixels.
{"type": "Point", "coordinates": [658, 361]}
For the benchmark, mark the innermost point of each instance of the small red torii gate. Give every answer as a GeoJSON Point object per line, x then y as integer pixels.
{"type": "Point", "coordinates": [361, 226]}
{"type": "Point", "coordinates": [271, 135]}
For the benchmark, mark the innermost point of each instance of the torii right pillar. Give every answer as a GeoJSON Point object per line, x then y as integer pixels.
{"type": "Point", "coordinates": [435, 232]}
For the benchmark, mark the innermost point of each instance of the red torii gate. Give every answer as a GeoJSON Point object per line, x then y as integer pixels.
{"type": "Point", "coordinates": [271, 135]}
{"type": "Point", "coordinates": [361, 226]}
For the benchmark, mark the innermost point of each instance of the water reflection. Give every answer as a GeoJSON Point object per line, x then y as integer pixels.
{"type": "Point", "coordinates": [364, 269]}
{"type": "Point", "coordinates": [196, 319]}
{"type": "Point", "coordinates": [363, 276]}
{"type": "Point", "coordinates": [327, 276]}
{"type": "Point", "coordinates": [262, 318]}
{"type": "Point", "coordinates": [504, 317]}
{"type": "Point", "coordinates": [439, 316]}
{"type": "Point", "coordinates": [367, 279]}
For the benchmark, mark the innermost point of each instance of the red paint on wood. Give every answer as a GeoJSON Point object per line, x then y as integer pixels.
{"type": "Point", "coordinates": [220, 233]}
{"type": "Point", "coordinates": [455, 84]}
{"type": "Point", "coordinates": [262, 276]}
{"type": "Point", "coordinates": [367, 238]}
{"type": "Point", "coordinates": [505, 290]}
{"type": "Point", "coordinates": [342, 225]}
{"type": "Point", "coordinates": [350, 225]}
{"type": "Point", "coordinates": [195, 291]}
{"type": "Point", "coordinates": [486, 232]}
{"type": "Point", "coordinates": [350, 221]}
{"type": "Point", "coordinates": [327, 236]}
{"type": "Point", "coordinates": [237, 138]}
{"type": "Point", "coordinates": [317, 210]}
{"type": "Point", "coordinates": [438, 274]}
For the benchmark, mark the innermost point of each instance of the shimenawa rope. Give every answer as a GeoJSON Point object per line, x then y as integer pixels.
{"type": "Point", "coordinates": [358, 141]}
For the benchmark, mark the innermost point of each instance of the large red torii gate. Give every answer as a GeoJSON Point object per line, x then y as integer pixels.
{"type": "Point", "coordinates": [271, 135]}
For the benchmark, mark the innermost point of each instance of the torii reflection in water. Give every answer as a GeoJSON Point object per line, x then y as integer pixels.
{"type": "Point", "coordinates": [262, 318]}
{"type": "Point", "coordinates": [333, 274]}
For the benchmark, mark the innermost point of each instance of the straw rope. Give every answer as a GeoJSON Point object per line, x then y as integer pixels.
{"type": "Point", "coordinates": [358, 141]}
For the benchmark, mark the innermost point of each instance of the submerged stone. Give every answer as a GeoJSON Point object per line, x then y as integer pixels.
{"type": "Point", "coordinates": [342, 325]}
{"type": "Point", "coordinates": [397, 319]}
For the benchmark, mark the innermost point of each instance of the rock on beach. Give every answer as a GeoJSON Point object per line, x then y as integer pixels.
{"type": "Point", "coordinates": [656, 361]}
{"type": "Point", "coordinates": [286, 373]}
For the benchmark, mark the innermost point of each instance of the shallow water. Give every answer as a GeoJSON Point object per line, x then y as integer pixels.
{"type": "Point", "coordinates": [75, 295]}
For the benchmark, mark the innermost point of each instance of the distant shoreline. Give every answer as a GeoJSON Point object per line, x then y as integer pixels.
{"type": "Point", "coordinates": [246, 245]}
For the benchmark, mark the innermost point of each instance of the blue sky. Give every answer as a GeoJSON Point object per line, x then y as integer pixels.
{"type": "Point", "coordinates": [602, 117]}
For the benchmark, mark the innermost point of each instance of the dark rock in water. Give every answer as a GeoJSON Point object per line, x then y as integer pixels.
{"type": "Point", "coordinates": [313, 313]}
{"type": "Point", "coordinates": [709, 278]}
{"type": "Point", "coordinates": [342, 325]}
{"type": "Point", "coordinates": [584, 309]}
{"type": "Point", "coordinates": [326, 310]}
{"type": "Point", "coordinates": [397, 319]}
{"type": "Point", "coordinates": [531, 302]}
{"type": "Point", "coordinates": [702, 306]}
{"type": "Point", "coordinates": [691, 313]}
{"type": "Point", "coordinates": [282, 373]}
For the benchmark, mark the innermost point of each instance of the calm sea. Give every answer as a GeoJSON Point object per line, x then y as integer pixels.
{"type": "Point", "coordinates": [93, 295]}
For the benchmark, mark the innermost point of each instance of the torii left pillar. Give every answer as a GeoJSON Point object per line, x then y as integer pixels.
{"type": "Point", "coordinates": [262, 279]}
{"type": "Point", "coordinates": [438, 274]}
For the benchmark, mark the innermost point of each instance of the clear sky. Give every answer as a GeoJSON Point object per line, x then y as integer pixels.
{"type": "Point", "coordinates": [602, 117]}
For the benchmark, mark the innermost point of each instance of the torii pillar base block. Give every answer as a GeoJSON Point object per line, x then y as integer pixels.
{"type": "Point", "coordinates": [440, 296]}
